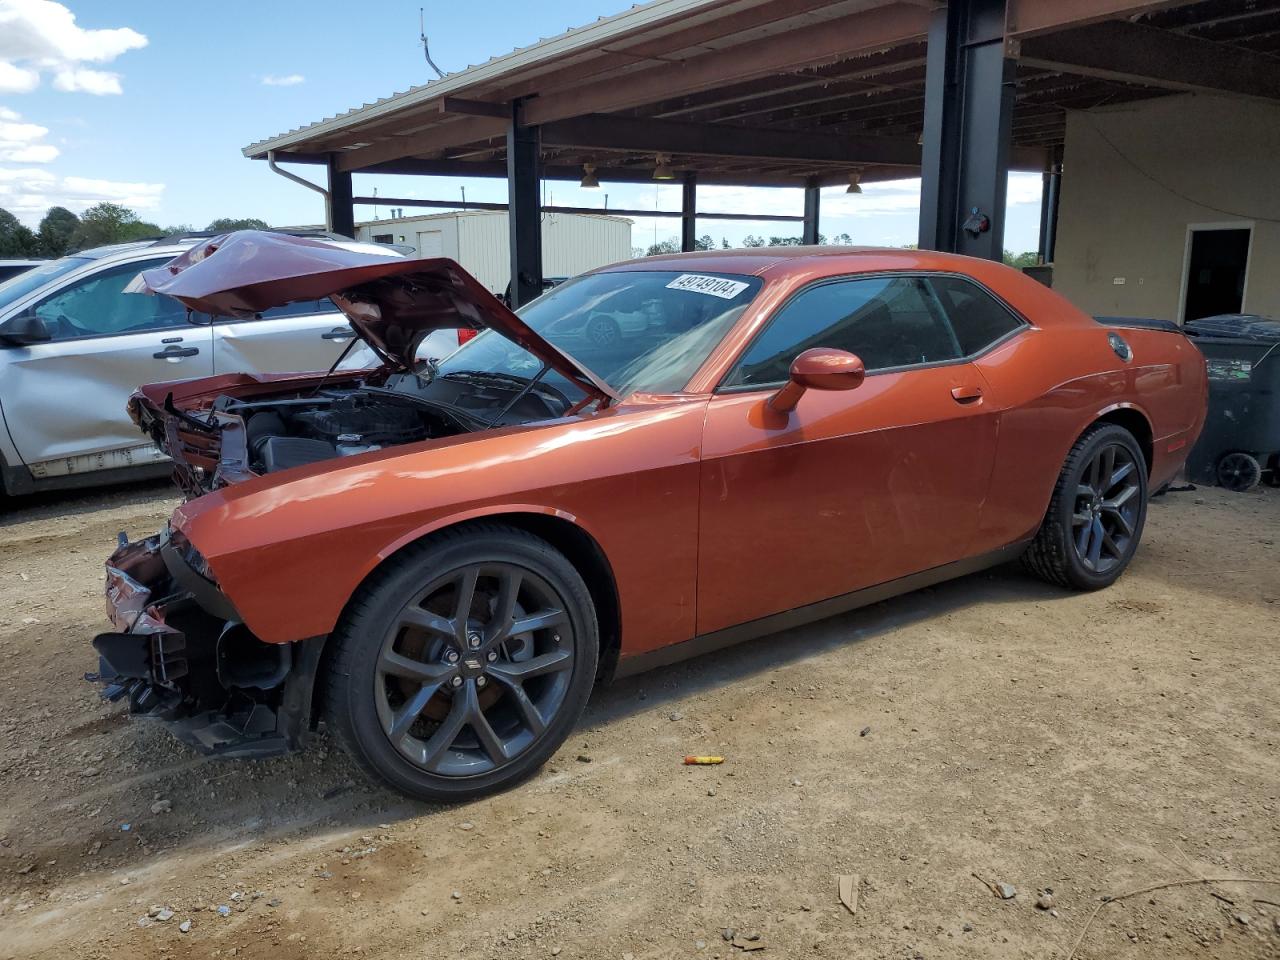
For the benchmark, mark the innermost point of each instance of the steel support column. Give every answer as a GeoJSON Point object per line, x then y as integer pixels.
{"type": "Point", "coordinates": [524, 209]}
{"type": "Point", "coordinates": [968, 119]}
{"type": "Point", "coordinates": [1049, 212]}
{"type": "Point", "coordinates": [339, 211]}
{"type": "Point", "coordinates": [689, 212]}
{"type": "Point", "coordinates": [812, 196]}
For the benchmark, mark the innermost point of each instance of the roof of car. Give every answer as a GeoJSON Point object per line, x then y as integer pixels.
{"type": "Point", "coordinates": [755, 261]}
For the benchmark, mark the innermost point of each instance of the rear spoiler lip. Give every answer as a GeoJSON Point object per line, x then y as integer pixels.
{"type": "Point", "coordinates": [1141, 323]}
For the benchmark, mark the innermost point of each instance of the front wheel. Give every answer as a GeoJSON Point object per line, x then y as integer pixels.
{"type": "Point", "coordinates": [1095, 518]}
{"type": "Point", "coordinates": [464, 664]}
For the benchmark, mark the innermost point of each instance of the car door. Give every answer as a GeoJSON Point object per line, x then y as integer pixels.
{"type": "Point", "coordinates": [64, 400]}
{"type": "Point", "coordinates": [303, 336]}
{"type": "Point", "coordinates": [852, 488]}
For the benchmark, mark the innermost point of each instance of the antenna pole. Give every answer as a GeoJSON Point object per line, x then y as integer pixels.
{"type": "Point", "coordinates": [426, 52]}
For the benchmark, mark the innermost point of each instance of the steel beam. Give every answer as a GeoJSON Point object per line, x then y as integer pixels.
{"type": "Point", "coordinates": [1029, 17]}
{"type": "Point", "coordinates": [819, 43]}
{"type": "Point", "coordinates": [1133, 53]}
{"type": "Point", "coordinates": [968, 120]}
{"type": "Point", "coordinates": [339, 212]}
{"type": "Point", "coordinates": [812, 196]}
{"type": "Point", "coordinates": [557, 208]}
{"type": "Point", "coordinates": [611, 132]}
{"type": "Point", "coordinates": [1049, 212]}
{"type": "Point", "coordinates": [524, 216]}
{"type": "Point", "coordinates": [689, 212]}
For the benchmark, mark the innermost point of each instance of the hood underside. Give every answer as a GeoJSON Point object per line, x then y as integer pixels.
{"type": "Point", "coordinates": [392, 302]}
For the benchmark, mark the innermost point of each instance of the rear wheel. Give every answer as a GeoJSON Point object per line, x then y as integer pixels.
{"type": "Point", "coordinates": [463, 666]}
{"type": "Point", "coordinates": [1095, 518]}
{"type": "Point", "coordinates": [1239, 472]}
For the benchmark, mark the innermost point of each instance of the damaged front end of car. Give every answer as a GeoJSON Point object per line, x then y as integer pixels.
{"type": "Point", "coordinates": [180, 654]}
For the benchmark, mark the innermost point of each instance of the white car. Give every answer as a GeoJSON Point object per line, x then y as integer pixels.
{"type": "Point", "coordinates": [74, 346]}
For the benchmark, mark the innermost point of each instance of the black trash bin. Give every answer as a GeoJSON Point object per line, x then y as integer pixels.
{"type": "Point", "coordinates": [1240, 444]}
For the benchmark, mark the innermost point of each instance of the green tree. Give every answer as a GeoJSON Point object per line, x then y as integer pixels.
{"type": "Point", "coordinates": [1020, 260]}
{"type": "Point", "coordinates": [662, 246]}
{"type": "Point", "coordinates": [16, 240]}
{"type": "Point", "coordinates": [56, 230]}
{"type": "Point", "coordinates": [227, 224]}
{"type": "Point", "coordinates": [704, 242]}
{"type": "Point", "coordinates": [106, 223]}
{"type": "Point", "coordinates": [751, 240]}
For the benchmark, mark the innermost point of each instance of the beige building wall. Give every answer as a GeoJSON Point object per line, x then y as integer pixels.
{"type": "Point", "coordinates": [1171, 163]}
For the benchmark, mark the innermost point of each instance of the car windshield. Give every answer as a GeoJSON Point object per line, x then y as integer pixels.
{"type": "Point", "coordinates": [15, 288]}
{"type": "Point", "coordinates": [643, 331]}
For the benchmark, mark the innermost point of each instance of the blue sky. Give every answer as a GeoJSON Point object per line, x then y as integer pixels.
{"type": "Point", "coordinates": [197, 82]}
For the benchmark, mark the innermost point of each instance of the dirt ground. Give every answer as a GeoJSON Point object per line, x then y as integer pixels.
{"type": "Point", "coordinates": [1092, 744]}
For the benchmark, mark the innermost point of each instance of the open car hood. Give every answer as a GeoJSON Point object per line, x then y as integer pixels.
{"type": "Point", "coordinates": [392, 302]}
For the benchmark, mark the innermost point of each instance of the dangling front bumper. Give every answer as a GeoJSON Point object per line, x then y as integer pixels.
{"type": "Point", "coordinates": [181, 655]}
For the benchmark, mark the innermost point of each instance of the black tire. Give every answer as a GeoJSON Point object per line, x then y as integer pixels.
{"type": "Point", "coordinates": [1238, 472]}
{"type": "Point", "coordinates": [1075, 517]}
{"type": "Point", "coordinates": [377, 688]}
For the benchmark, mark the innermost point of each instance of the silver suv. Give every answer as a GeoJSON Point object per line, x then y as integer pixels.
{"type": "Point", "coordinates": [74, 346]}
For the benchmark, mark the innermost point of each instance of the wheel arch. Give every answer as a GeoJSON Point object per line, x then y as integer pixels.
{"type": "Point", "coordinates": [1133, 419]}
{"type": "Point", "coordinates": [560, 529]}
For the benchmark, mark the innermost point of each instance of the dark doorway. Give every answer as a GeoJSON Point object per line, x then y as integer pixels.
{"type": "Point", "coordinates": [1215, 272]}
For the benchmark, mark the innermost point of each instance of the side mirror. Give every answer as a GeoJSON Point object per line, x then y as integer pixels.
{"type": "Point", "coordinates": [820, 368]}
{"type": "Point", "coordinates": [25, 328]}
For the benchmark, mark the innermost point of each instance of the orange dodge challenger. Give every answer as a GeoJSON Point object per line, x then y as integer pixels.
{"type": "Point", "coordinates": [651, 461]}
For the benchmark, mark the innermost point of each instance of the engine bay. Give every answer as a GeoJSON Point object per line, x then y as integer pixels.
{"type": "Point", "coordinates": [266, 433]}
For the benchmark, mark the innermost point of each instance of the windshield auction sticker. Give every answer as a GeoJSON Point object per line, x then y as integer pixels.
{"type": "Point", "coordinates": [712, 286]}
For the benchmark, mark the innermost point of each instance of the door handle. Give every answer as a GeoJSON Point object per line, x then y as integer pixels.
{"type": "Point", "coordinates": [338, 333]}
{"type": "Point", "coordinates": [966, 394]}
{"type": "Point", "coordinates": [176, 353]}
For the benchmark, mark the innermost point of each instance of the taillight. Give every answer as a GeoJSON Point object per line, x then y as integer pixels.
{"type": "Point", "coordinates": [465, 334]}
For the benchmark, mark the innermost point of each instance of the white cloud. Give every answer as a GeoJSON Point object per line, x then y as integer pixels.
{"type": "Point", "coordinates": [287, 80]}
{"type": "Point", "coordinates": [27, 192]}
{"type": "Point", "coordinates": [20, 142]}
{"type": "Point", "coordinates": [17, 80]}
{"type": "Point", "coordinates": [42, 35]}
{"type": "Point", "coordinates": [98, 82]}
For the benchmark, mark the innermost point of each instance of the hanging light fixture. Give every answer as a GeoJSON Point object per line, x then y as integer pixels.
{"type": "Point", "coordinates": [855, 184]}
{"type": "Point", "coordinates": [589, 177]}
{"type": "Point", "coordinates": [662, 168]}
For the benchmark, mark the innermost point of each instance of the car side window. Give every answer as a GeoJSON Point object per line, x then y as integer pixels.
{"type": "Point", "coordinates": [977, 318]}
{"type": "Point", "coordinates": [886, 321]}
{"type": "Point", "coordinates": [96, 306]}
{"type": "Point", "coordinates": [299, 308]}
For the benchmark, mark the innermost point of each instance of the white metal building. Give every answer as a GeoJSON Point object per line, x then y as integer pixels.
{"type": "Point", "coordinates": [478, 239]}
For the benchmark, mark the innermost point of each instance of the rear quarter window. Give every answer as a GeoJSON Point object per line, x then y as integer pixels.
{"type": "Point", "coordinates": [977, 318]}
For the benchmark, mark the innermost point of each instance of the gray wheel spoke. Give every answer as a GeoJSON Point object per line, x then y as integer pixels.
{"type": "Point", "coordinates": [448, 731]}
{"type": "Point", "coordinates": [537, 621]}
{"type": "Point", "coordinates": [1095, 544]}
{"type": "Point", "coordinates": [1083, 537]}
{"type": "Point", "coordinates": [517, 673]}
{"type": "Point", "coordinates": [1119, 474]}
{"type": "Point", "coordinates": [505, 606]}
{"type": "Point", "coordinates": [1111, 545]}
{"type": "Point", "coordinates": [528, 709]}
{"type": "Point", "coordinates": [1120, 499]}
{"type": "Point", "coordinates": [466, 588]}
{"type": "Point", "coordinates": [1107, 470]}
{"type": "Point", "coordinates": [1084, 490]}
{"type": "Point", "coordinates": [412, 709]}
{"type": "Point", "coordinates": [433, 622]}
{"type": "Point", "coordinates": [398, 665]}
{"type": "Point", "coordinates": [1078, 518]}
{"type": "Point", "coordinates": [489, 740]}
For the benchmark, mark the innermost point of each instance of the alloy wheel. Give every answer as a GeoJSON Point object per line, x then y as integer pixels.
{"type": "Point", "coordinates": [1239, 472]}
{"type": "Point", "coordinates": [474, 669]}
{"type": "Point", "coordinates": [1107, 504]}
